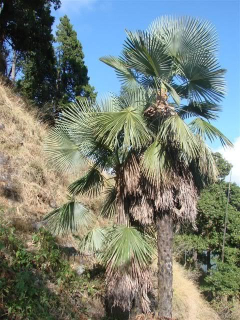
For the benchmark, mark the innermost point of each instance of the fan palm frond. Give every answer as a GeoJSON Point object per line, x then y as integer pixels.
{"type": "Point", "coordinates": [93, 241]}
{"type": "Point", "coordinates": [123, 71]}
{"type": "Point", "coordinates": [71, 217]}
{"type": "Point", "coordinates": [90, 184]}
{"type": "Point", "coordinates": [128, 123]}
{"type": "Point", "coordinates": [205, 110]}
{"type": "Point", "coordinates": [175, 131]}
{"type": "Point", "coordinates": [125, 244]}
{"type": "Point", "coordinates": [184, 35]}
{"type": "Point", "coordinates": [207, 130]}
{"type": "Point", "coordinates": [108, 209]}
{"type": "Point", "coordinates": [154, 162]}
{"type": "Point", "coordinates": [62, 150]}
{"type": "Point", "coordinates": [204, 79]}
{"type": "Point", "coordinates": [145, 54]}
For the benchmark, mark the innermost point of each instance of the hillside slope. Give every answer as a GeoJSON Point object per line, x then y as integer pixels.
{"type": "Point", "coordinates": [29, 190]}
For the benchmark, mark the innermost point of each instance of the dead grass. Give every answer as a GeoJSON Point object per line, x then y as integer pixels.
{"type": "Point", "coordinates": [188, 304]}
{"type": "Point", "coordinates": [26, 183]}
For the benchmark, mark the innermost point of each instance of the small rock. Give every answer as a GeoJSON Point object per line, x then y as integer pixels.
{"type": "Point", "coordinates": [38, 225]}
{"type": "Point", "coordinates": [2, 126]}
{"type": "Point", "coordinates": [4, 177]}
{"type": "Point", "coordinates": [3, 159]}
{"type": "Point", "coordinates": [80, 269]}
{"type": "Point", "coordinates": [53, 204]}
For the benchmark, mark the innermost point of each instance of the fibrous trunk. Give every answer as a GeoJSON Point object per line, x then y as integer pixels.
{"type": "Point", "coordinates": [165, 275]}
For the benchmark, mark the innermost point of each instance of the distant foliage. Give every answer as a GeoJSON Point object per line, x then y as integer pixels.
{"type": "Point", "coordinates": [49, 78]}
{"type": "Point", "coordinates": [72, 73]}
{"type": "Point", "coordinates": [205, 242]}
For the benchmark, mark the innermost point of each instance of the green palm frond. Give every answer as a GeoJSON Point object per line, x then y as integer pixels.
{"type": "Point", "coordinates": [145, 54]}
{"type": "Point", "coordinates": [204, 168]}
{"type": "Point", "coordinates": [90, 184]}
{"type": "Point", "coordinates": [135, 98]}
{"type": "Point", "coordinates": [108, 209]}
{"type": "Point", "coordinates": [203, 79]}
{"type": "Point", "coordinates": [207, 130]}
{"type": "Point", "coordinates": [205, 110]}
{"type": "Point", "coordinates": [93, 241]}
{"type": "Point", "coordinates": [155, 162]}
{"type": "Point", "coordinates": [124, 73]}
{"type": "Point", "coordinates": [127, 123]}
{"type": "Point", "coordinates": [184, 35]}
{"type": "Point", "coordinates": [62, 150]}
{"type": "Point", "coordinates": [175, 131]}
{"type": "Point", "coordinates": [125, 245]}
{"type": "Point", "coordinates": [71, 217]}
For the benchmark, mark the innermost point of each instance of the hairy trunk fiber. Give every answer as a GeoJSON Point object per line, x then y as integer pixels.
{"type": "Point", "coordinates": [165, 243]}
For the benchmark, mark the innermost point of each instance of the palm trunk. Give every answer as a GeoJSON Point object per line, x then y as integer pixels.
{"type": "Point", "coordinates": [165, 274]}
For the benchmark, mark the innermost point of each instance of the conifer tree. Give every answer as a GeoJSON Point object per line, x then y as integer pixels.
{"type": "Point", "coordinates": [73, 77]}
{"type": "Point", "coordinates": [39, 78]}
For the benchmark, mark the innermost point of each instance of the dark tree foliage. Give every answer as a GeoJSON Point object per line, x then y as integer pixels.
{"type": "Point", "coordinates": [24, 24]}
{"type": "Point", "coordinates": [39, 79]}
{"type": "Point", "coordinates": [26, 44]}
{"type": "Point", "coordinates": [73, 77]}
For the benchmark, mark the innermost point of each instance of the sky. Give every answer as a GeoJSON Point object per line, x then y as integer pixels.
{"type": "Point", "coordinates": [101, 25]}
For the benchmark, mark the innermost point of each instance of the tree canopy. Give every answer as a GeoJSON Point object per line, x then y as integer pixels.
{"type": "Point", "coordinates": [72, 73]}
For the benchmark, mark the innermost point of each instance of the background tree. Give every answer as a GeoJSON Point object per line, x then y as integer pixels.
{"type": "Point", "coordinates": [39, 79]}
{"type": "Point", "coordinates": [25, 26]}
{"type": "Point", "coordinates": [72, 73]}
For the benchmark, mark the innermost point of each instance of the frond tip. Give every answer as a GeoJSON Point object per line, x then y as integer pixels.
{"type": "Point", "coordinates": [71, 217]}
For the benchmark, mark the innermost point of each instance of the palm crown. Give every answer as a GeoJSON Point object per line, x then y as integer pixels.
{"type": "Point", "coordinates": [140, 152]}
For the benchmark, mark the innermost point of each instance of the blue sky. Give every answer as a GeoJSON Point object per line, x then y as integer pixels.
{"type": "Point", "coordinates": [100, 26]}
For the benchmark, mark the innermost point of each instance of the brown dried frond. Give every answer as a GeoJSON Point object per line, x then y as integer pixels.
{"type": "Point", "coordinates": [126, 284]}
{"type": "Point", "coordinates": [142, 211]}
{"type": "Point", "coordinates": [187, 200]}
{"type": "Point", "coordinates": [131, 175]}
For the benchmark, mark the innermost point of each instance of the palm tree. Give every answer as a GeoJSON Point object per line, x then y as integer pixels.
{"type": "Point", "coordinates": [142, 154]}
{"type": "Point", "coordinates": [176, 58]}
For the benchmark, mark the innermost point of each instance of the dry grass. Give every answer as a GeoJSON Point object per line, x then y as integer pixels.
{"type": "Point", "coordinates": [187, 300]}
{"type": "Point", "coordinates": [188, 304]}
{"type": "Point", "coordinates": [27, 185]}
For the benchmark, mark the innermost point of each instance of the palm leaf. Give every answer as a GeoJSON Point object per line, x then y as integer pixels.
{"type": "Point", "coordinates": [108, 209]}
{"type": "Point", "coordinates": [124, 73]}
{"type": "Point", "coordinates": [128, 122]}
{"type": "Point", "coordinates": [155, 162]}
{"type": "Point", "coordinates": [176, 132]}
{"type": "Point", "coordinates": [184, 35]}
{"type": "Point", "coordinates": [90, 184]}
{"type": "Point", "coordinates": [203, 79]}
{"type": "Point", "coordinates": [93, 241]}
{"type": "Point", "coordinates": [205, 110]}
{"type": "Point", "coordinates": [71, 217]}
{"type": "Point", "coordinates": [62, 150]}
{"type": "Point", "coordinates": [124, 245]}
{"type": "Point", "coordinates": [207, 130]}
{"type": "Point", "coordinates": [204, 168]}
{"type": "Point", "coordinates": [145, 54]}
